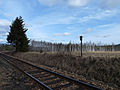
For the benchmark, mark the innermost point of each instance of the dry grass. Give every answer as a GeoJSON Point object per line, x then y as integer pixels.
{"type": "Point", "coordinates": [99, 66]}
{"type": "Point", "coordinates": [93, 53]}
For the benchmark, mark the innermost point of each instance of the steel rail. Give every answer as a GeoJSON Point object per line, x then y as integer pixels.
{"type": "Point", "coordinates": [56, 74]}
{"type": "Point", "coordinates": [42, 85]}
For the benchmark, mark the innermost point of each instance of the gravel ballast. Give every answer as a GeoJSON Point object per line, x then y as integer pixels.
{"type": "Point", "coordinates": [12, 79]}
{"type": "Point", "coordinates": [101, 71]}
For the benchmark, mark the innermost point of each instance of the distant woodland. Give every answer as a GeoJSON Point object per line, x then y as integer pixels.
{"type": "Point", "coordinates": [43, 46]}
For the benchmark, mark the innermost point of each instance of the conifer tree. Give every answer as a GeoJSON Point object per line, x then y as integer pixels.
{"type": "Point", "coordinates": [17, 36]}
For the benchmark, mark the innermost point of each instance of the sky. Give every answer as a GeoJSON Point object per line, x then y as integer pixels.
{"type": "Point", "coordinates": [64, 20]}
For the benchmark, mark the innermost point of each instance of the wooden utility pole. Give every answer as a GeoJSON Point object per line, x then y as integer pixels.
{"type": "Point", "coordinates": [81, 44]}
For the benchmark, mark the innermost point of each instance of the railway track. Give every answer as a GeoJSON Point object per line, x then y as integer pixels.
{"type": "Point", "coordinates": [47, 79]}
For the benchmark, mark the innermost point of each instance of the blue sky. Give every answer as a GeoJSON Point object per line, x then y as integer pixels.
{"type": "Point", "coordinates": [64, 20]}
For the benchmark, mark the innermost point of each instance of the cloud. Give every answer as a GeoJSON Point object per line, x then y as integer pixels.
{"type": "Point", "coordinates": [99, 16]}
{"type": "Point", "coordinates": [106, 25]}
{"type": "Point", "coordinates": [6, 14]}
{"type": "Point", "coordinates": [73, 3]}
{"type": "Point", "coordinates": [77, 3]}
{"type": "Point", "coordinates": [103, 36]}
{"type": "Point", "coordinates": [4, 27]}
{"type": "Point", "coordinates": [62, 34]}
{"type": "Point", "coordinates": [108, 33]}
{"type": "Point", "coordinates": [110, 3]}
{"type": "Point", "coordinates": [50, 2]}
{"type": "Point", "coordinates": [3, 34]}
{"type": "Point", "coordinates": [53, 19]}
{"type": "Point", "coordinates": [4, 22]}
{"type": "Point", "coordinates": [60, 20]}
{"type": "Point", "coordinates": [87, 31]}
{"type": "Point", "coordinates": [2, 40]}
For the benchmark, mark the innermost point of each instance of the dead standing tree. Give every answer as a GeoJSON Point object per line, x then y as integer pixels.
{"type": "Point", "coordinates": [58, 47]}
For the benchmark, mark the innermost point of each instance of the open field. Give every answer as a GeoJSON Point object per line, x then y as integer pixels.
{"type": "Point", "coordinates": [99, 66]}
{"type": "Point", "coordinates": [93, 53]}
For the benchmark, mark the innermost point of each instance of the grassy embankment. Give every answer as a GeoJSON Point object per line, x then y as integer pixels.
{"type": "Point", "coordinates": [100, 66]}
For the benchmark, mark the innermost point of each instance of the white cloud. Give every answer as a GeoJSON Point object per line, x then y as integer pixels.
{"type": "Point", "coordinates": [107, 34]}
{"type": "Point", "coordinates": [74, 3]}
{"type": "Point", "coordinates": [110, 3]}
{"type": "Point", "coordinates": [62, 34]}
{"type": "Point", "coordinates": [50, 2]}
{"type": "Point", "coordinates": [53, 19]}
{"type": "Point", "coordinates": [4, 27]}
{"type": "Point", "coordinates": [3, 34]}
{"type": "Point", "coordinates": [37, 33]}
{"type": "Point", "coordinates": [102, 36]}
{"type": "Point", "coordinates": [99, 16]}
{"type": "Point", "coordinates": [4, 22]}
{"type": "Point", "coordinates": [2, 40]}
{"type": "Point", "coordinates": [87, 31]}
{"type": "Point", "coordinates": [107, 25]}
{"type": "Point", "coordinates": [78, 3]}
{"type": "Point", "coordinates": [66, 33]}
{"type": "Point", "coordinates": [6, 14]}
{"type": "Point", "coordinates": [59, 20]}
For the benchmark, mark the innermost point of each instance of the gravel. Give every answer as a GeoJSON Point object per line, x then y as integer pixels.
{"type": "Point", "coordinates": [12, 79]}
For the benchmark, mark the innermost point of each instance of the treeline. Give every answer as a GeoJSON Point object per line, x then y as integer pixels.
{"type": "Point", "coordinates": [70, 47]}
{"type": "Point", "coordinates": [6, 47]}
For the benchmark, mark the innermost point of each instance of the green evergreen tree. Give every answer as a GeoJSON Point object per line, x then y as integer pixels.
{"type": "Point", "coordinates": [17, 36]}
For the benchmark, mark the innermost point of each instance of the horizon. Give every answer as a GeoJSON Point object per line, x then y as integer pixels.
{"type": "Point", "coordinates": [61, 21]}
{"type": "Point", "coordinates": [91, 43]}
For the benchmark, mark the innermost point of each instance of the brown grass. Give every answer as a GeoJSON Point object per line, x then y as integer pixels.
{"type": "Point", "coordinates": [100, 66]}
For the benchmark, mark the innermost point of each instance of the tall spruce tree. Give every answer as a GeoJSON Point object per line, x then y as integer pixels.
{"type": "Point", "coordinates": [17, 36]}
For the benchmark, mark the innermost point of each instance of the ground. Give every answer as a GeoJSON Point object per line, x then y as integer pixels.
{"type": "Point", "coordinates": [98, 68]}
{"type": "Point", "coordinates": [12, 79]}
